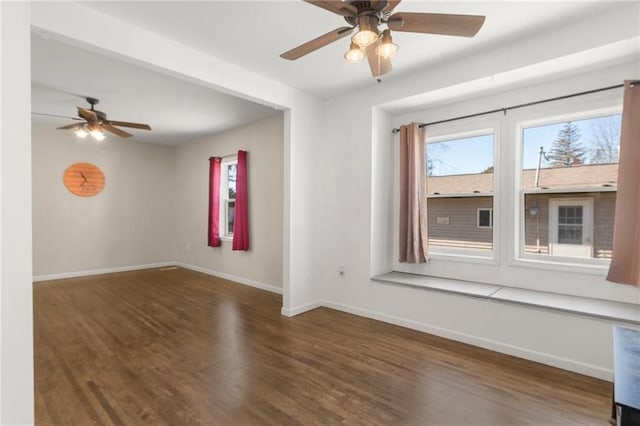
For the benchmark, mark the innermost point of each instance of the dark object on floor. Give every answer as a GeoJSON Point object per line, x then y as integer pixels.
{"type": "Point", "coordinates": [626, 356]}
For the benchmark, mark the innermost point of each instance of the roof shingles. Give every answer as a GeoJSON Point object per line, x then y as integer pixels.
{"type": "Point", "coordinates": [572, 177]}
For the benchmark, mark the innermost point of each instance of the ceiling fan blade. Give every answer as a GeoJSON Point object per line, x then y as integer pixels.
{"type": "Point", "coordinates": [127, 124]}
{"type": "Point", "coordinates": [87, 114]}
{"type": "Point", "coordinates": [317, 43]}
{"type": "Point", "coordinates": [116, 131]}
{"type": "Point", "coordinates": [436, 23]}
{"type": "Point", "coordinates": [56, 115]}
{"type": "Point", "coordinates": [342, 8]}
{"type": "Point", "coordinates": [70, 126]}
{"type": "Point", "coordinates": [379, 65]}
{"type": "Point", "coordinates": [391, 4]}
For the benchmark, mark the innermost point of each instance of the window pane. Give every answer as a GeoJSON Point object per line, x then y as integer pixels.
{"type": "Point", "coordinates": [570, 234]}
{"type": "Point", "coordinates": [570, 224]}
{"type": "Point", "coordinates": [484, 218]}
{"type": "Point", "coordinates": [569, 160]}
{"type": "Point", "coordinates": [570, 215]}
{"type": "Point", "coordinates": [459, 182]}
{"type": "Point", "coordinates": [231, 176]}
{"type": "Point", "coordinates": [231, 205]}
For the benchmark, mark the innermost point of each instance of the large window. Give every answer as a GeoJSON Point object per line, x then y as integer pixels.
{"type": "Point", "coordinates": [228, 174]}
{"type": "Point", "coordinates": [527, 202]}
{"type": "Point", "coordinates": [568, 184]}
{"type": "Point", "coordinates": [460, 193]}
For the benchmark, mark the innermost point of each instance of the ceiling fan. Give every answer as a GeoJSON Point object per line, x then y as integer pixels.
{"type": "Point", "coordinates": [378, 47]}
{"type": "Point", "coordinates": [96, 122]}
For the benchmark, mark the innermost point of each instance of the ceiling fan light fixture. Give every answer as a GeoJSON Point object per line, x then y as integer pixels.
{"type": "Point", "coordinates": [354, 55]}
{"type": "Point", "coordinates": [365, 18]}
{"type": "Point", "coordinates": [81, 132]}
{"type": "Point", "coordinates": [387, 48]}
{"type": "Point", "coordinates": [364, 38]}
{"type": "Point", "coordinates": [367, 31]}
{"type": "Point", "coordinates": [97, 133]}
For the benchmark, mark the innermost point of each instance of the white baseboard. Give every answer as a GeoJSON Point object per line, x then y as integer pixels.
{"type": "Point", "coordinates": [301, 309]}
{"type": "Point", "coordinates": [543, 358]}
{"type": "Point", "coordinates": [64, 275]}
{"type": "Point", "coordinates": [239, 280]}
{"type": "Point", "coordinates": [76, 274]}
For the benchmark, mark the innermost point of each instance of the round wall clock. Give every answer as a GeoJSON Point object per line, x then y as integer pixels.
{"type": "Point", "coordinates": [83, 179]}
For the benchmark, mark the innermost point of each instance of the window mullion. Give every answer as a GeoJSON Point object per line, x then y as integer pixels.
{"type": "Point", "coordinates": [507, 184]}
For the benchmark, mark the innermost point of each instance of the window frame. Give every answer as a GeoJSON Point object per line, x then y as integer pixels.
{"type": "Point", "coordinates": [558, 263]}
{"type": "Point", "coordinates": [482, 126]}
{"type": "Point", "coordinates": [224, 196]}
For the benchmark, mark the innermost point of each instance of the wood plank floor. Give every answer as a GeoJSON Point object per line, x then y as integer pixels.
{"type": "Point", "coordinates": [178, 347]}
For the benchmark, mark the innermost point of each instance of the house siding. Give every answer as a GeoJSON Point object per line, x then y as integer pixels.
{"type": "Point", "coordinates": [604, 212]}
{"type": "Point", "coordinates": [462, 230]}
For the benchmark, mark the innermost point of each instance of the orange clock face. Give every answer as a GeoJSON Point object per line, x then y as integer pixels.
{"type": "Point", "coordinates": [83, 179]}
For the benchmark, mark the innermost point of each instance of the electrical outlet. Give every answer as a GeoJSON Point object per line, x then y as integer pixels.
{"type": "Point", "coordinates": [341, 271]}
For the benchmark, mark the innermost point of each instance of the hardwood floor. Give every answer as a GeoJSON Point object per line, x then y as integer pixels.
{"type": "Point", "coordinates": [178, 347]}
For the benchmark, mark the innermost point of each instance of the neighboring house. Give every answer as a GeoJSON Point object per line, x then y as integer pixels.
{"type": "Point", "coordinates": [568, 213]}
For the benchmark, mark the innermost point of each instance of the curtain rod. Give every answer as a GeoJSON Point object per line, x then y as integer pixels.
{"type": "Point", "coordinates": [505, 109]}
{"type": "Point", "coordinates": [224, 156]}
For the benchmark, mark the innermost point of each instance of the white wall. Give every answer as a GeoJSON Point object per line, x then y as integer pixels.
{"type": "Point", "coordinates": [16, 331]}
{"type": "Point", "coordinates": [130, 223]}
{"type": "Point", "coordinates": [303, 203]}
{"type": "Point", "coordinates": [154, 206]}
{"type": "Point", "coordinates": [262, 264]}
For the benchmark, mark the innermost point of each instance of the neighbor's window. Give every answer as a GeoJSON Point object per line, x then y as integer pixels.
{"type": "Point", "coordinates": [460, 193]}
{"type": "Point", "coordinates": [485, 218]}
{"type": "Point", "coordinates": [569, 179]}
{"type": "Point", "coordinates": [228, 176]}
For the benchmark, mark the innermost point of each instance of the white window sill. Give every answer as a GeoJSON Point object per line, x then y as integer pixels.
{"type": "Point", "coordinates": [226, 238]}
{"type": "Point", "coordinates": [605, 309]}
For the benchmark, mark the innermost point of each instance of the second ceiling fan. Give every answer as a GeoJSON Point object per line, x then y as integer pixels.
{"type": "Point", "coordinates": [96, 122]}
{"type": "Point", "coordinates": [378, 47]}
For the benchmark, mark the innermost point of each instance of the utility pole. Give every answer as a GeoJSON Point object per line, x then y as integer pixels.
{"type": "Point", "coordinates": [540, 154]}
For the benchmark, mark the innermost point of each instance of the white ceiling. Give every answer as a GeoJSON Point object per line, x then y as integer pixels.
{"type": "Point", "coordinates": [177, 111]}
{"type": "Point", "coordinates": [252, 34]}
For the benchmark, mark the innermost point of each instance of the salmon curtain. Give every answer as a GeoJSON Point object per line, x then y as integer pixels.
{"type": "Point", "coordinates": [413, 195]}
{"type": "Point", "coordinates": [625, 260]}
{"type": "Point", "coordinates": [214, 202]}
{"type": "Point", "coordinates": [241, 211]}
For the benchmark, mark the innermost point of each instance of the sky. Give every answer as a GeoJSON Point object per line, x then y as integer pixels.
{"type": "Point", "coordinates": [461, 156]}
{"type": "Point", "coordinates": [535, 137]}
{"type": "Point", "coordinates": [475, 154]}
